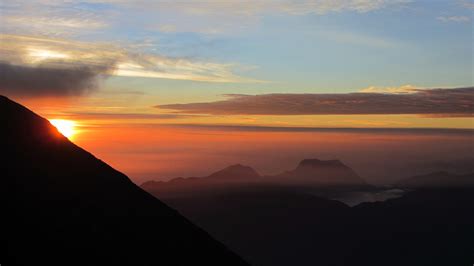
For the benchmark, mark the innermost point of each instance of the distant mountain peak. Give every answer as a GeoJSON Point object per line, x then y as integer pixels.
{"type": "Point", "coordinates": [322, 172]}
{"type": "Point", "coordinates": [236, 171]}
{"type": "Point", "coordinates": [238, 167]}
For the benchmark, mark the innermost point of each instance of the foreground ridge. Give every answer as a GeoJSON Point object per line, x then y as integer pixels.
{"type": "Point", "coordinates": [63, 206]}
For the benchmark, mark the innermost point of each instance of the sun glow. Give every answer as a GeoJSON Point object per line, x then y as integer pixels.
{"type": "Point", "coordinates": [65, 127]}
{"type": "Point", "coordinates": [38, 55]}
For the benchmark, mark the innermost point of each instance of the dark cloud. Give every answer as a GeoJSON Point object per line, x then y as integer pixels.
{"type": "Point", "coordinates": [455, 102]}
{"type": "Point", "coordinates": [50, 80]}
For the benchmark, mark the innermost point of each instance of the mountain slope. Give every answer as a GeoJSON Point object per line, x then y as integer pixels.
{"type": "Point", "coordinates": [63, 206]}
{"type": "Point", "coordinates": [424, 227]}
{"type": "Point", "coordinates": [284, 225]}
{"type": "Point", "coordinates": [438, 179]}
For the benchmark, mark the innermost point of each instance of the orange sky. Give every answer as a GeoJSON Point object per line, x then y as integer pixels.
{"type": "Point", "coordinates": [134, 109]}
{"type": "Point", "coordinates": [152, 148]}
{"type": "Point", "coordinates": [146, 147]}
{"type": "Point", "coordinates": [161, 152]}
{"type": "Point", "coordinates": [152, 97]}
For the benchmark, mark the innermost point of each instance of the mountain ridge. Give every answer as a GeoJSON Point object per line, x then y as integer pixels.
{"type": "Point", "coordinates": [62, 206]}
{"type": "Point", "coordinates": [309, 170]}
{"type": "Point", "coordinates": [437, 179]}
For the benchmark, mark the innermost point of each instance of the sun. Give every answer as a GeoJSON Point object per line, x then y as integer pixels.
{"type": "Point", "coordinates": [65, 127]}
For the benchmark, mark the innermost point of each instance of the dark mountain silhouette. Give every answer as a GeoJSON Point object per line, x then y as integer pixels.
{"type": "Point", "coordinates": [438, 180]}
{"type": "Point", "coordinates": [424, 227]}
{"type": "Point", "coordinates": [63, 206]}
{"type": "Point", "coordinates": [280, 224]}
{"type": "Point", "coordinates": [314, 172]}
{"type": "Point", "coordinates": [268, 225]}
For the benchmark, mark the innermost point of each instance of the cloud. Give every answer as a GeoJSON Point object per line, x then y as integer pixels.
{"type": "Point", "coordinates": [250, 128]}
{"type": "Point", "coordinates": [207, 17]}
{"type": "Point", "coordinates": [32, 66]}
{"type": "Point", "coordinates": [393, 90]}
{"type": "Point", "coordinates": [457, 19]}
{"type": "Point", "coordinates": [48, 18]}
{"type": "Point", "coordinates": [353, 38]}
{"type": "Point", "coordinates": [51, 25]}
{"type": "Point", "coordinates": [231, 16]}
{"type": "Point", "coordinates": [458, 101]}
{"type": "Point", "coordinates": [122, 116]}
{"type": "Point", "coordinates": [326, 6]}
{"type": "Point", "coordinates": [301, 7]}
{"type": "Point", "coordinates": [44, 80]}
{"type": "Point", "coordinates": [72, 67]}
{"type": "Point", "coordinates": [468, 4]}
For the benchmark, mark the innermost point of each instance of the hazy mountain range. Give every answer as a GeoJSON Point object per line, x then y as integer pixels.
{"type": "Point", "coordinates": [290, 219]}
{"type": "Point", "coordinates": [309, 174]}
{"type": "Point", "coordinates": [324, 177]}
{"type": "Point", "coordinates": [63, 206]}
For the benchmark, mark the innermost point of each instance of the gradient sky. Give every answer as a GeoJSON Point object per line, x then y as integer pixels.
{"type": "Point", "coordinates": [148, 65]}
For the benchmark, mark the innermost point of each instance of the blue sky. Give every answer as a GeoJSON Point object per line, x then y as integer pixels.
{"type": "Point", "coordinates": [191, 51]}
{"type": "Point", "coordinates": [421, 43]}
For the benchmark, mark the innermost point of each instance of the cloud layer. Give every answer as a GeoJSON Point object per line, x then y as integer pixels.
{"type": "Point", "coordinates": [49, 81]}
{"type": "Point", "coordinates": [54, 17]}
{"type": "Point", "coordinates": [123, 116]}
{"type": "Point", "coordinates": [40, 66]}
{"type": "Point", "coordinates": [457, 19]}
{"type": "Point", "coordinates": [459, 101]}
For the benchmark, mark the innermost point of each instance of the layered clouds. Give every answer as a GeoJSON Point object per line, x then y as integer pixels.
{"type": "Point", "coordinates": [63, 48]}
{"type": "Point", "coordinates": [457, 19]}
{"type": "Point", "coordinates": [442, 102]}
{"type": "Point", "coordinates": [40, 66]}
{"type": "Point", "coordinates": [217, 16]}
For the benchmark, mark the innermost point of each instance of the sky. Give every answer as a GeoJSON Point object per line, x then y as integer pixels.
{"type": "Point", "coordinates": [170, 67]}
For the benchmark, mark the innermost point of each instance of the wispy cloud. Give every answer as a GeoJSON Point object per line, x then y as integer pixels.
{"type": "Point", "coordinates": [392, 90]}
{"type": "Point", "coordinates": [326, 6]}
{"type": "Point", "coordinates": [60, 22]}
{"type": "Point", "coordinates": [36, 66]}
{"type": "Point", "coordinates": [458, 19]}
{"type": "Point", "coordinates": [468, 3]}
{"type": "Point", "coordinates": [224, 16]}
{"type": "Point", "coordinates": [290, 7]}
{"type": "Point", "coordinates": [122, 116]}
{"type": "Point", "coordinates": [52, 19]}
{"type": "Point", "coordinates": [459, 101]}
{"type": "Point", "coordinates": [361, 39]}
{"type": "Point", "coordinates": [210, 17]}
